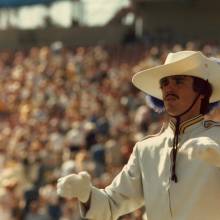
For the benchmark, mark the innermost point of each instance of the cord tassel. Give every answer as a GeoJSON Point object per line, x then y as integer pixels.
{"type": "Point", "coordinates": [173, 173]}
{"type": "Point", "coordinates": [174, 151]}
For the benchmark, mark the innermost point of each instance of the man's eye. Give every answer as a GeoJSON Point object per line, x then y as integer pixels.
{"type": "Point", "coordinates": [179, 81]}
{"type": "Point", "coordinates": [164, 82]}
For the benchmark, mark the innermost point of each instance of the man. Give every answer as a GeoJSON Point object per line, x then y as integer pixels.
{"type": "Point", "coordinates": [175, 174]}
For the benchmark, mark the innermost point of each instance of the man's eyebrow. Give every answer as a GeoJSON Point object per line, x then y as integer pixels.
{"type": "Point", "coordinates": [174, 77]}
{"type": "Point", "coordinates": [179, 77]}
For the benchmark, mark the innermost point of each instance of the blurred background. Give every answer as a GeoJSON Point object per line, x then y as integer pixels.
{"type": "Point", "coordinates": [66, 99]}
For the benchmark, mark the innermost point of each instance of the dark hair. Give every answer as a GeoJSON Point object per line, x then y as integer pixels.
{"type": "Point", "coordinates": [203, 87]}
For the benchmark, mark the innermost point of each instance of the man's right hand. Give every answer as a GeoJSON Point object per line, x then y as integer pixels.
{"type": "Point", "coordinates": [75, 186]}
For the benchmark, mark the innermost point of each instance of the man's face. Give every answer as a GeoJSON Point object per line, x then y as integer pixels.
{"type": "Point", "coordinates": [178, 94]}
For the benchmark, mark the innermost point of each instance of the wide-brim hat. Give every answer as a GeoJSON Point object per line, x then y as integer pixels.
{"type": "Point", "coordinates": [190, 63]}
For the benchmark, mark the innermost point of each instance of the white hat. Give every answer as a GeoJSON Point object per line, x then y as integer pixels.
{"type": "Point", "coordinates": [191, 63]}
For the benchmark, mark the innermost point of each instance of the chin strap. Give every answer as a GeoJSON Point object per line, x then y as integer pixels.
{"type": "Point", "coordinates": [176, 140]}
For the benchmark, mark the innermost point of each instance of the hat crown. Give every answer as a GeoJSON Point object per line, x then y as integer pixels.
{"type": "Point", "coordinates": [174, 57]}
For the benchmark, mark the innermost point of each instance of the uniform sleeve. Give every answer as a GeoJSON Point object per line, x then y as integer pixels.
{"type": "Point", "coordinates": [206, 149]}
{"type": "Point", "coordinates": [123, 195]}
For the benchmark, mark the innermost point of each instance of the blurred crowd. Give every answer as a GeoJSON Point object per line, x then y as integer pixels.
{"type": "Point", "coordinates": [64, 110]}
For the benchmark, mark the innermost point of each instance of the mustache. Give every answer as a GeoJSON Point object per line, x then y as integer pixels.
{"type": "Point", "coordinates": [171, 95]}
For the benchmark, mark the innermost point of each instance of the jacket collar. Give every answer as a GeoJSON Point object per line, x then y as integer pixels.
{"type": "Point", "coordinates": [187, 125]}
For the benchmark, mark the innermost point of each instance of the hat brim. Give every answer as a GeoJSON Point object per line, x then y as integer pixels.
{"type": "Point", "coordinates": [196, 65]}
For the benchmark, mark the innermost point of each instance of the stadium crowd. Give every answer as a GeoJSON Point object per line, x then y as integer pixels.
{"type": "Point", "coordinates": [65, 110]}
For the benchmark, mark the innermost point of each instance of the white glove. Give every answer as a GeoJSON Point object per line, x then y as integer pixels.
{"type": "Point", "coordinates": [75, 186]}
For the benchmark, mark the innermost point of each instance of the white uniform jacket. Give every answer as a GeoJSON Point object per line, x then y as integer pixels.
{"type": "Point", "coordinates": [145, 179]}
